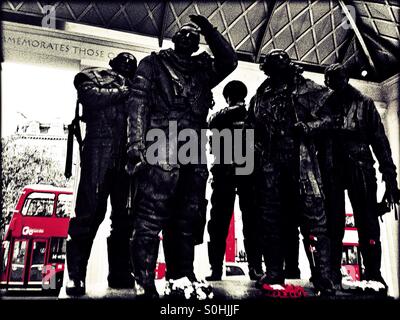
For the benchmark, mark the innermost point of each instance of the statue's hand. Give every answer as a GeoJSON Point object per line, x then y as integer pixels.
{"type": "Point", "coordinates": [135, 159]}
{"type": "Point", "coordinates": [203, 23]}
{"type": "Point", "coordinates": [392, 194]}
{"type": "Point", "coordinates": [302, 128]}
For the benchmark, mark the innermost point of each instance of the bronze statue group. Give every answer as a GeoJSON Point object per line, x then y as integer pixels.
{"type": "Point", "coordinates": [310, 143]}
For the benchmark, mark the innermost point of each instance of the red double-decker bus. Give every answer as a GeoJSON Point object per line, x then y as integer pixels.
{"type": "Point", "coordinates": [33, 250]}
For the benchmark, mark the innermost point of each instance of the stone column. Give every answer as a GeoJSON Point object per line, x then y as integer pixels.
{"type": "Point", "coordinates": [390, 227]}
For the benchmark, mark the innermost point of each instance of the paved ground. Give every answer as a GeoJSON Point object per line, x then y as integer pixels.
{"type": "Point", "coordinates": [233, 299]}
{"type": "Point", "coordinates": [223, 290]}
{"type": "Point", "coordinates": [229, 290]}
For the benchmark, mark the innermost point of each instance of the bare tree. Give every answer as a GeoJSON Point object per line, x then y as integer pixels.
{"type": "Point", "coordinates": [23, 165]}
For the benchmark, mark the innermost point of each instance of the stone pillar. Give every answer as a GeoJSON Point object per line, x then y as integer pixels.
{"type": "Point", "coordinates": [390, 227]}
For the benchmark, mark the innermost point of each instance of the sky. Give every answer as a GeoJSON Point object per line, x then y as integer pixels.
{"type": "Point", "coordinates": [46, 93]}
{"type": "Point", "coordinates": [39, 92]}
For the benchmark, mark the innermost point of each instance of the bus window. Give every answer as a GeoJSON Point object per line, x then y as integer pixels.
{"type": "Point", "coordinates": [18, 261]}
{"type": "Point", "coordinates": [64, 206]}
{"type": "Point", "coordinates": [39, 204]}
{"type": "Point", "coordinates": [344, 258]}
{"type": "Point", "coordinates": [38, 254]}
{"type": "Point", "coordinates": [352, 255]}
{"type": "Point", "coordinates": [58, 248]}
{"type": "Point", "coordinates": [350, 221]}
{"type": "Point", "coordinates": [4, 257]}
